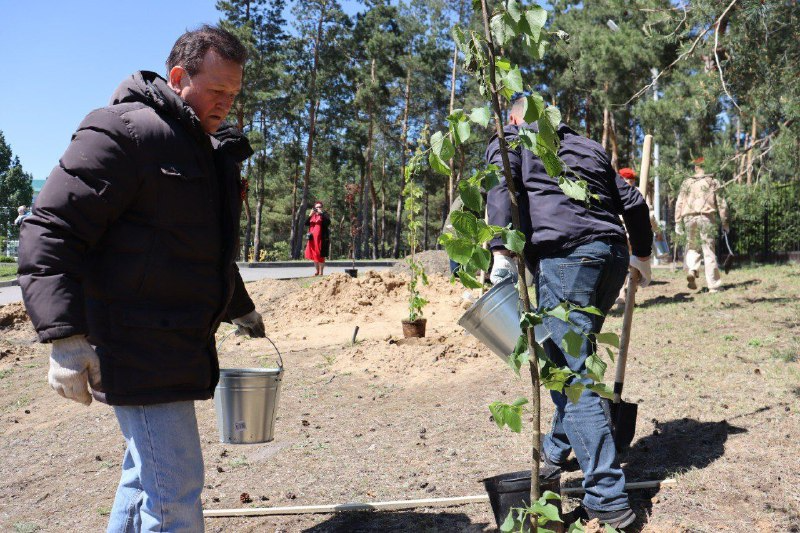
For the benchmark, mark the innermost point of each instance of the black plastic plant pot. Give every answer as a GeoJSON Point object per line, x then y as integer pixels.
{"type": "Point", "coordinates": [352, 272]}
{"type": "Point", "coordinates": [513, 490]}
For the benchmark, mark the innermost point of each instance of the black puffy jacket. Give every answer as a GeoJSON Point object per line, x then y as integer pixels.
{"type": "Point", "coordinates": [132, 241]}
{"type": "Point", "coordinates": [552, 221]}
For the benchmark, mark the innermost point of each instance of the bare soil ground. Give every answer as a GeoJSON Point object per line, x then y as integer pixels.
{"type": "Point", "coordinates": [716, 377]}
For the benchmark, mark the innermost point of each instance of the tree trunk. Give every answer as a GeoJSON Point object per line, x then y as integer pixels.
{"type": "Point", "coordinates": [312, 129]}
{"type": "Point", "coordinates": [404, 138]}
{"type": "Point", "coordinates": [248, 228]}
{"type": "Point", "coordinates": [523, 289]}
{"type": "Point", "coordinates": [425, 211]}
{"type": "Point", "coordinates": [750, 152]}
{"type": "Point", "coordinates": [383, 206]}
{"type": "Point", "coordinates": [604, 141]}
{"type": "Point", "coordinates": [448, 195]}
{"type": "Point", "coordinates": [612, 136]}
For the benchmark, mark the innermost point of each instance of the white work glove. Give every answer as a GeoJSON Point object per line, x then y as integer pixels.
{"type": "Point", "coordinates": [504, 266]}
{"type": "Point", "coordinates": [74, 365]}
{"type": "Point", "coordinates": [645, 276]}
{"type": "Point", "coordinates": [250, 324]}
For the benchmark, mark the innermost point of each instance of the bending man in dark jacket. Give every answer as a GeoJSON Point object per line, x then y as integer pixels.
{"type": "Point", "coordinates": [127, 267]}
{"type": "Point", "coordinates": [578, 253]}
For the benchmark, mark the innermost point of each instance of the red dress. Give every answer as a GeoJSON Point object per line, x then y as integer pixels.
{"type": "Point", "coordinates": [314, 246]}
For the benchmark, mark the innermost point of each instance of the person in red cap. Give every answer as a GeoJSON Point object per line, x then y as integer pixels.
{"type": "Point", "coordinates": [699, 201]}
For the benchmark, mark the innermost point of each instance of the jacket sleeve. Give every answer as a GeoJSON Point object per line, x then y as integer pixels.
{"type": "Point", "coordinates": [498, 203]}
{"type": "Point", "coordinates": [722, 205]}
{"type": "Point", "coordinates": [94, 183]}
{"type": "Point", "coordinates": [636, 215]}
{"type": "Point", "coordinates": [241, 303]}
{"type": "Point", "coordinates": [680, 203]}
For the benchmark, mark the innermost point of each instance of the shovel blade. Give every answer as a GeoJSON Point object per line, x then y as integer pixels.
{"type": "Point", "coordinates": [623, 423]}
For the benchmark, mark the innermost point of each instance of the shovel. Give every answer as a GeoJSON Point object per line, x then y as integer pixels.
{"type": "Point", "coordinates": [726, 264]}
{"type": "Point", "coordinates": [623, 414]}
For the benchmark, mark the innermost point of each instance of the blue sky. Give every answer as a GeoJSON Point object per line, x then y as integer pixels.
{"type": "Point", "coordinates": [61, 59]}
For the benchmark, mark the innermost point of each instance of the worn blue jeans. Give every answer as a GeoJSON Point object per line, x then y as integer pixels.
{"type": "Point", "coordinates": [162, 471]}
{"type": "Point", "coordinates": [589, 274]}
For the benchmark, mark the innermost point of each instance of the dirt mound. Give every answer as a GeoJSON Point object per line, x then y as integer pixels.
{"type": "Point", "coordinates": [13, 316]}
{"type": "Point", "coordinates": [434, 262]}
{"type": "Point", "coordinates": [339, 294]}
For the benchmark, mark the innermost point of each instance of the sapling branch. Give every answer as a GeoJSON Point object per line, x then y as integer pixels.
{"type": "Point", "coordinates": [523, 288]}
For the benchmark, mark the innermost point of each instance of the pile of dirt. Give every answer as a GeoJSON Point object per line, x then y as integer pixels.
{"type": "Point", "coordinates": [340, 294]}
{"type": "Point", "coordinates": [434, 262]}
{"type": "Point", "coordinates": [14, 316]}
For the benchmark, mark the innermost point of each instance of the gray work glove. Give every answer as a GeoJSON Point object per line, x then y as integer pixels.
{"type": "Point", "coordinates": [250, 324]}
{"type": "Point", "coordinates": [504, 266]}
{"type": "Point", "coordinates": [74, 366]}
{"type": "Point", "coordinates": [645, 276]}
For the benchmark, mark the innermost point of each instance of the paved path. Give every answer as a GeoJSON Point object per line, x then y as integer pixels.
{"type": "Point", "coordinates": [13, 294]}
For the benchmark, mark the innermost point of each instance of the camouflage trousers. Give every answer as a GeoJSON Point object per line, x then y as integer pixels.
{"type": "Point", "coordinates": [701, 232]}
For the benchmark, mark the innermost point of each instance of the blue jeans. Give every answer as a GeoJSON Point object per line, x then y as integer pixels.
{"type": "Point", "coordinates": [162, 472]}
{"type": "Point", "coordinates": [589, 274]}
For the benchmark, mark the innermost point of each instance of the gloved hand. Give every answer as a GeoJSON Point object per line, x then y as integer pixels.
{"type": "Point", "coordinates": [250, 324]}
{"type": "Point", "coordinates": [503, 267]}
{"type": "Point", "coordinates": [726, 228]}
{"type": "Point", "coordinates": [73, 366]}
{"type": "Point", "coordinates": [645, 276]}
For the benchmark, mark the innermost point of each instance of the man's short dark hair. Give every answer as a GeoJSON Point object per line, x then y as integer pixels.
{"type": "Point", "coordinates": [191, 47]}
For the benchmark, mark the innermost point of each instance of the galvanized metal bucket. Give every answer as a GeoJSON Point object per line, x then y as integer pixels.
{"type": "Point", "coordinates": [494, 319]}
{"type": "Point", "coordinates": [246, 401]}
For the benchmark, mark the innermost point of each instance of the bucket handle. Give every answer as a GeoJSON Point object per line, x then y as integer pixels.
{"type": "Point", "coordinates": [280, 359]}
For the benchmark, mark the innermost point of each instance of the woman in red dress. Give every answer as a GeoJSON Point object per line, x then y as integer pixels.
{"type": "Point", "coordinates": [319, 233]}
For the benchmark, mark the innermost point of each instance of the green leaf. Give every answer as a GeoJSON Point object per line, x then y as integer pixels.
{"type": "Point", "coordinates": [527, 138]}
{"type": "Point", "coordinates": [536, 17]}
{"type": "Point", "coordinates": [529, 320]}
{"type": "Point", "coordinates": [513, 80]}
{"type": "Point", "coordinates": [459, 250]}
{"type": "Point", "coordinates": [485, 232]}
{"type": "Point", "coordinates": [532, 44]}
{"type": "Point", "coordinates": [471, 196]}
{"type": "Point", "coordinates": [610, 353]}
{"type": "Point", "coordinates": [458, 38]}
{"type": "Point", "coordinates": [502, 64]}
{"type": "Point", "coordinates": [514, 421]}
{"type": "Point", "coordinates": [550, 495]}
{"type": "Point", "coordinates": [572, 343]}
{"type": "Point", "coordinates": [480, 115]}
{"type": "Point", "coordinates": [595, 367]}
{"type": "Point", "coordinates": [590, 309]}
{"type": "Point", "coordinates": [553, 116]}
{"type": "Point", "coordinates": [461, 132]}
{"type": "Point", "coordinates": [534, 107]}
{"type": "Point", "coordinates": [514, 240]}
{"type": "Point", "coordinates": [609, 529]}
{"type": "Point", "coordinates": [547, 512]}
{"type": "Point", "coordinates": [468, 280]}
{"type": "Point", "coordinates": [561, 312]}
{"type": "Point", "coordinates": [438, 165]}
{"type": "Point", "coordinates": [514, 10]}
{"type": "Point", "coordinates": [608, 338]}
{"type": "Point", "coordinates": [481, 258]}
{"type": "Point", "coordinates": [491, 178]}
{"type": "Point", "coordinates": [552, 163]}
{"type": "Point", "coordinates": [576, 527]}
{"type": "Point", "coordinates": [519, 356]}
{"type": "Point", "coordinates": [547, 138]}
{"type": "Point", "coordinates": [509, 523]}
{"type": "Point", "coordinates": [602, 389]}
{"type": "Point", "coordinates": [504, 29]}
{"type": "Point", "coordinates": [466, 224]}
{"type": "Point", "coordinates": [441, 146]}
{"type": "Point", "coordinates": [574, 189]}
{"type": "Point", "coordinates": [574, 391]}
{"type": "Point", "coordinates": [498, 413]}
{"type": "Point", "coordinates": [519, 402]}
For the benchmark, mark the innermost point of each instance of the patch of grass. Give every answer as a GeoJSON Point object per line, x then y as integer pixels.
{"type": "Point", "coordinates": [5, 373]}
{"type": "Point", "coordinates": [25, 527]}
{"type": "Point", "coordinates": [729, 338]}
{"type": "Point", "coordinates": [8, 271]}
{"type": "Point", "coordinates": [755, 343]}
{"type": "Point", "coordinates": [104, 511]}
{"type": "Point", "coordinates": [238, 462]}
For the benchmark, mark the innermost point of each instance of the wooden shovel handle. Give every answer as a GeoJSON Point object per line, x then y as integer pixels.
{"type": "Point", "coordinates": [625, 336]}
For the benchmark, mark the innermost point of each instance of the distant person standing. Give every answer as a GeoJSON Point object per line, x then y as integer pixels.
{"type": "Point", "coordinates": [22, 212]}
{"type": "Point", "coordinates": [319, 235]}
{"type": "Point", "coordinates": [696, 210]}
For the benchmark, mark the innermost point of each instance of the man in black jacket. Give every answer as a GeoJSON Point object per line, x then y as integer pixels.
{"type": "Point", "coordinates": [578, 253]}
{"type": "Point", "coordinates": [127, 266]}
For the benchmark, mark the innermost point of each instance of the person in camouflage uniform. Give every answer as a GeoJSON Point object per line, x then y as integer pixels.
{"type": "Point", "coordinates": [696, 210]}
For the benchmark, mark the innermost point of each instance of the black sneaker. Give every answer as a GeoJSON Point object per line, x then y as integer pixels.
{"type": "Point", "coordinates": [690, 277]}
{"type": "Point", "coordinates": [615, 519]}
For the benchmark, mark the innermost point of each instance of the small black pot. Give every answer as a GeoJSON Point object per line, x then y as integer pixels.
{"type": "Point", "coordinates": [352, 272]}
{"type": "Point", "coordinates": [513, 490]}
